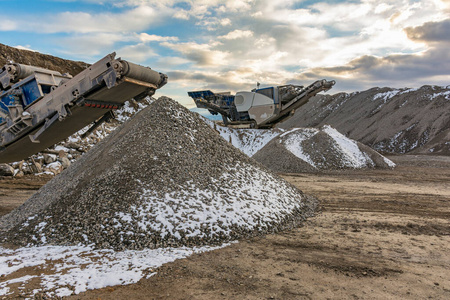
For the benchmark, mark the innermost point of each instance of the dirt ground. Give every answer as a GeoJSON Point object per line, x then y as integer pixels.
{"type": "Point", "coordinates": [15, 191]}
{"type": "Point", "coordinates": [381, 234]}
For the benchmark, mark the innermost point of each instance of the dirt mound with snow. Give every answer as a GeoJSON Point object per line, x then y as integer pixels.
{"type": "Point", "coordinates": [310, 150]}
{"type": "Point", "coordinates": [21, 56]}
{"type": "Point", "coordinates": [303, 149]}
{"type": "Point", "coordinates": [164, 178]}
{"type": "Point", "coordinates": [414, 121]}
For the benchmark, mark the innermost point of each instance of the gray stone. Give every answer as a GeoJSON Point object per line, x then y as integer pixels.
{"type": "Point", "coordinates": [6, 170]}
{"type": "Point", "coordinates": [65, 162]}
{"type": "Point", "coordinates": [49, 158]}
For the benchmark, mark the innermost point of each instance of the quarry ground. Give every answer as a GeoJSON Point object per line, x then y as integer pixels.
{"type": "Point", "coordinates": [381, 234]}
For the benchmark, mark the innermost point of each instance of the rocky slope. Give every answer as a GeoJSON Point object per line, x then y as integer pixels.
{"type": "Point", "coordinates": [313, 150]}
{"type": "Point", "coordinates": [415, 121]}
{"type": "Point", "coordinates": [11, 54]}
{"type": "Point", "coordinates": [303, 149]}
{"type": "Point", "coordinates": [164, 178]}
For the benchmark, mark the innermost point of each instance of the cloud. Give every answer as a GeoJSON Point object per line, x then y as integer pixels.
{"type": "Point", "coordinates": [225, 22]}
{"type": "Point", "coordinates": [136, 53]}
{"type": "Point", "coordinates": [136, 19]}
{"type": "Point", "coordinates": [91, 45]}
{"type": "Point", "coordinates": [430, 32]}
{"type": "Point", "coordinates": [145, 37]}
{"type": "Point", "coordinates": [181, 14]}
{"type": "Point", "coordinates": [231, 44]}
{"type": "Point", "coordinates": [201, 54]}
{"type": "Point", "coordinates": [238, 5]}
{"type": "Point", "coordinates": [237, 34]}
{"type": "Point", "coordinates": [170, 61]}
{"type": "Point", "coordinates": [399, 70]}
{"type": "Point", "coordinates": [8, 24]}
{"type": "Point", "coordinates": [203, 80]}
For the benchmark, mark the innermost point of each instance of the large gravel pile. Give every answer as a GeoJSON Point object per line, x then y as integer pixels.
{"type": "Point", "coordinates": [164, 178]}
{"type": "Point", "coordinates": [311, 149]}
{"type": "Point", "coordinates": [414, 121]}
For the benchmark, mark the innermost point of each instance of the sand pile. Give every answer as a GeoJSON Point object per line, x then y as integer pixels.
{"type": "Point", "coordinates": [164, 178]}
{"type": "Point", "coordinates": [311, 149]}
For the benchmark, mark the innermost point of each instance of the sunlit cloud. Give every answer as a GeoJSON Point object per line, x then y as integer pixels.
{"type": "Point", "coordinates": [237, 34]}
{"type": "Point", "coordinates": [201, 54]}
{"type": "Point", "coordinates": [138, 53]}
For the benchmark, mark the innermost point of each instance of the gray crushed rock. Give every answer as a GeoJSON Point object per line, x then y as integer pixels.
{"type": "Point", "coordinates": [318, 149]}
{"type": "Point", "coordinates": [164, 178]}
{"type": "Point", "coordinates": [413, 121]}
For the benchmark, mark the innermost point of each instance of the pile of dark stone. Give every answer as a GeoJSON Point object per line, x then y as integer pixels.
{"type": "Point", "coordinates": [162, 179]}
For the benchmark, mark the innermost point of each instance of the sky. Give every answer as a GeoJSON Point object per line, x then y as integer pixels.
{"type": "Point", "coordinates": [231, 45]}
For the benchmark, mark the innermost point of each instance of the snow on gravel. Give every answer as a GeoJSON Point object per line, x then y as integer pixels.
{"type": "Point", "coordinates": [71, 270]}
{"type": "Point", "coordinates": [386, 95]}
{"type": "Point", "coordinates": [353, 156]}
{"type": "Point", "coordinates": [248, 141]}
{"type": "Point", "coordinates": [445, 94]}
{"type": "Point", "coordinates": [240, 204]}
{"type": "Point", "coordinates": [293, 142]}
{"type": "Point", "coordinates": [127, 110]}
{"type": "Point", "coordinates": [181, 186]}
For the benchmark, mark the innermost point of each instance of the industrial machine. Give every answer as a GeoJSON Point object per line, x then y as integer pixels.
{"type": "Point", "coordinates": [260, 108]}
{"type": "Point", "coordinates": [40, 107]}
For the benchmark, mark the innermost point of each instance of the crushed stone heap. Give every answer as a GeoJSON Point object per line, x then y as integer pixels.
{"type": "Point", "coordinates": [406, 120]}
{"type": "Point", "coordinates": [164, 178]}
{"type": "Point", "coordinates": [318, 149]}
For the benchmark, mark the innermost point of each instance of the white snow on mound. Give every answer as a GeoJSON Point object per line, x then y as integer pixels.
{"type": "Point", "coordinates": [219, 209]}
{"type": "Point", "coordinates": [293, 142]}
{"type": "Point", "coordinates": [386, 95]}
{"type": "Point", "coordinates": [248, 141]}
{"type": "Point", "coordinates": [127, 111]}
{"type": "Point", "coordinates": [353, 157]}
{"type": "Point", "coordinates": [71, 270]}
{"type": "Point", "coordinates": [445, 94]}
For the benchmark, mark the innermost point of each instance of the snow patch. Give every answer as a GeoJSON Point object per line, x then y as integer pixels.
{"type": "Point", "coordinates": [76, 269]}
{"type": "Point", "coordinates": [248, 141]}
{"type": "Point", "coordinates": [294, 141]}
{"type": "Point", "coordinates": [353, 157]}
{"type": "Point", "coordinates": [386, 95]}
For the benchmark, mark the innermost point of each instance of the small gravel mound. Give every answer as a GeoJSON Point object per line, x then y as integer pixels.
{"type": "Point", "coordinates": [311, 149]}
{"type": "Point", "coordinates": [164, 178]}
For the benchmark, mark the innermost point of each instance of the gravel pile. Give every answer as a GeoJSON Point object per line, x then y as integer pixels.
{"type": "Point", "coordinates": [164, 178]}
{"type": "Point", "coordinates": [311, 150]}
{"type": "Point", "coordinates": [408, 120]}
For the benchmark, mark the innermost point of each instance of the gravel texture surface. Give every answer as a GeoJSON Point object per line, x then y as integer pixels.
{"type": "Point", "coordinates": [164, 178]}
{"type": "Point", "coordinates": [407, 120]}
{"type": "Point", "coordinates": [313, 150]}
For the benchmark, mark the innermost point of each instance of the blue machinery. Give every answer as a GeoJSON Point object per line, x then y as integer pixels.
{"type": "Point", "coordinates": [260, 108]}
{"type": "Point", "coordinates": [40, 107]}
